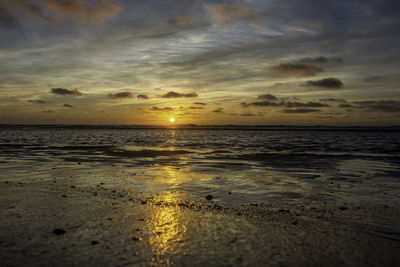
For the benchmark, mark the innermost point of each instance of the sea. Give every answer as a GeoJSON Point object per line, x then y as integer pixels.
{"type": "Point", "coordinates": [233, 164]}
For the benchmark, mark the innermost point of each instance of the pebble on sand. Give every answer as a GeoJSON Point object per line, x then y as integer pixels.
{"type": "Point", "coordinates": [59, 231]}
{"type": "Point", "coordinates": [209, 197]}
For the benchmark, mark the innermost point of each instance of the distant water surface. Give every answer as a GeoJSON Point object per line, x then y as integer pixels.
{"type": "Point", "coordinates": [237, 165]}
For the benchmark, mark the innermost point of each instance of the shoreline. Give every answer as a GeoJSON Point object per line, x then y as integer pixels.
{"type": "Point", "coordinates": [106, 225]}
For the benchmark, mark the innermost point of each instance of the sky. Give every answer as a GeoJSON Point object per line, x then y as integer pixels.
{"type": "Point", "coordinates": [248, 62]}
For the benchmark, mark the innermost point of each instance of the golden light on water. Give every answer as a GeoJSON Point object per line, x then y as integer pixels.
{"type": "Point", "coordinates": [172, 119]}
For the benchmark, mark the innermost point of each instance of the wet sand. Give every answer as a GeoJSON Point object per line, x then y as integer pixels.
{"type": "Point", "coordinates": [49, 220]}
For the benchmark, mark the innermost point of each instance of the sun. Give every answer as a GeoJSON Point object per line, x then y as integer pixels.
{"type": "Point", "coordinates": [172, 119]}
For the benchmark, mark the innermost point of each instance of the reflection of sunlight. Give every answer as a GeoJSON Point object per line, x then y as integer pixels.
{"type": "Point", "coordinates": [167, 229]}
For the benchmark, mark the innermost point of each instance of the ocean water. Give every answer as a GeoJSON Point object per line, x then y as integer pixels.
{"type": "Point", "coordinates": [233, 164]}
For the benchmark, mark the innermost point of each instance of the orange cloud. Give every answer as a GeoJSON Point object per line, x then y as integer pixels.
{"type": "Point", "coordinates": [162, 109]}
{"type": "Point", "coordinates": [79, 11]}
{"type": "Point", "coordinates": [294, 69]}
{"type": "Point", "coordinates": [226, 14]}
{"type": "Point", "coordinates": [83, 12]}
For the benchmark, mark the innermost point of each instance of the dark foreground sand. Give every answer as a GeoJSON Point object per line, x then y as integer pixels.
{"type": "Point", "coordinates": [58, 223]}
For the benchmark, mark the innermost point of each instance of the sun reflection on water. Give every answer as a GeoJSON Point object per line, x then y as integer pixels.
{"type": "Point", "coordinates": [167, 225]}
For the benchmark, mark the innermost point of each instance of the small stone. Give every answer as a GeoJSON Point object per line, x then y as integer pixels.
{"type": "Point", "coordinates": [209, 197]}
{"type": "Point", "coordinates": [64, 196]}
{"type": "Point", "coordinates": [343, 208]}
{"type": "Point", "coordinates": [136, 238]}
{"type": "Point", "coordinates": [94, 242]}
{"type": "Point", "coordinates": [73, 186]}
{"type": "Point", "coordinates": [59, 231]}
{"type": "Point", "coordinates": [144, 202]}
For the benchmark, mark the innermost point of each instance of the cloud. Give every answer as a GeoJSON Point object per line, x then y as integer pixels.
{"type": "Point", "coordinates": [380, 105]}
{"type": "Point", "coordinates": [319, 60]}
{"type": "Point", "coordinates": [11, 9]}
{"type": "Point", "coordinates": [262, 104]}
{"type": "Point", "coordinates": [305, 105]}
{"type": "Point", "coordinates": [196, 107]}
{"type": "Point", "coordinates": [68, 106]}
{"type": "Point", "coordinates": [142, 97]}
{"type": "Point", "coordinates": [37, 101]}
{"type": "Point", "coordinates": [84, 12]}
{"type": "Point", "coordinates": [65, 92]}
{"type": "Point", "coordinates": [172, 94]}
{"type": "Point", "coordinates": [374, 78]}
{"type": "Point", "coordinates": [327, 83]}
{"type": "Point", "coordinates": [121, 95]}
{"type": "Point", "coordinates": [345, 105]}
{"type": "Point", "coordinates": [268, 97]}
{"type": "Point", "coordinates": [52, 11]}
{"type": "Point", "coordinates": [218, 110]}
{"type": "Point", "coordinates": [7, 19]}
{"type": "Point", "coordinates": [162, 109]}
{"type": "Point", "coordinates": [200, 103]}
{"type": "Point", "coordinates": [226, 14]}
{"type": "Point", "coordinates": [332, 100]}
{"type": "Point", "coordinates": [183, 22]}
{"type": "Point", "coordinates": [294, 69]}
{"type": "Point", "coordinates": [285, 104]}
{"type": "Point", "coordinates": [301, 110]}
{"type": "Point", "coordinates": [249, 115]}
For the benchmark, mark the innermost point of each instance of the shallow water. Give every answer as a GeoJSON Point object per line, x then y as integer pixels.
{"type": "Point", "coordinates": [234, 165]}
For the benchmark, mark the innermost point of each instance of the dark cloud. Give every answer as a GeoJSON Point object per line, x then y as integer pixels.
{"type": "Point", "coordinates": [37, 101]}
{"type": "Point", "coordinates": [226, 14]}
{"type": "Point", "coordinates": [285, 104]}
{"type": "Point", "coordinates": [262, 104]}
{"type": "Point", "coordinates": [268, 97]}
{"type": "Point", "coordinates": [250, 115]}
{"type": "Point", "coordinates": [53, 11]}
{"type": "Point", "coordinates": [332, 100]}
{"type": "Point", "coordinates": [142, 97]}
{"type": "Point", "coordinates": [162, 109]}
{"type": "Point", "coordinates": [172, 94]}
{"type": "Point", "coordinates": [380, 105]}
{"type": "Point", "coordinates": [305, 105]}
{"type": "Point", "coordinates": [301, 110]}
{"type": "Point", "coordinates": [218, 110]}
{"type": "Point", "coordinates": [374, 78]}
{"type": "Point", "coordinates": [319, 60]}
{"type": "Point", "coordinates": [121, 95]}
{"type": "Point", "coordinates": [345, 105]}
{"type": "Point", "coordinates": [65, 92]}
{"type": "Point", "coordinates": [294, 69]}
{"type": "Point", "coordinates": [7, 19]}
{"type": "Point", "coordinates": [196, 107]}
{"type": "Point", "coordinates": [327, 83]}
{"type": "Point", "coordinates": [199, 103]}
{"type": "Point", "coordinates": [68, 106]}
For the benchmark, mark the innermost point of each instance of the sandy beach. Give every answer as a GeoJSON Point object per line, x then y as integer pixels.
{"type": "Point", "coordinates": [59, 217]}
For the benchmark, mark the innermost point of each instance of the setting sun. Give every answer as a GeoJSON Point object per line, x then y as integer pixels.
{"type": "Point", "coordinates": [172, 119]}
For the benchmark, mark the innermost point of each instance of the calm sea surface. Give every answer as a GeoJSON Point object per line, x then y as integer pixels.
{"type": "Point", "coordinates": [236, 165]}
